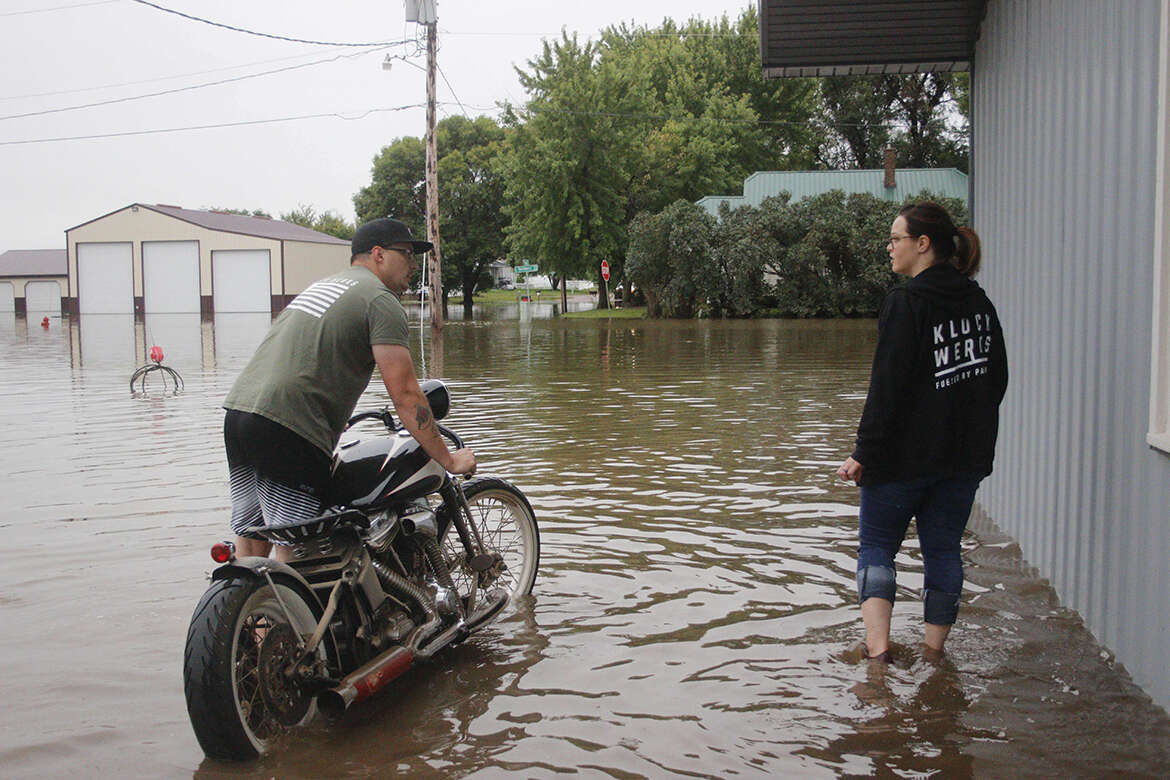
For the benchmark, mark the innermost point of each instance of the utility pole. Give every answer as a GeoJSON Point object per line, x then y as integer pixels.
{"type": "Point", "coordinates": [424, 12]}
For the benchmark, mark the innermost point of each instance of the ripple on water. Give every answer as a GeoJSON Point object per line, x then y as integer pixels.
{"type": "Point", "coordinates": [695, 609]}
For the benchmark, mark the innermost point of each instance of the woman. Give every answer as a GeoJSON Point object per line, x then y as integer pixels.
{"type": "Point", "coordinates": [927, 434]}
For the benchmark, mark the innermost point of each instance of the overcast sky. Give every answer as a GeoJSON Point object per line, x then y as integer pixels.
{"type": "Point", "coordinates": [65, 53]}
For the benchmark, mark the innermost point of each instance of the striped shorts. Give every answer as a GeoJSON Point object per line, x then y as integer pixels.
{"type": "Point", "coordinates": [277, 477]}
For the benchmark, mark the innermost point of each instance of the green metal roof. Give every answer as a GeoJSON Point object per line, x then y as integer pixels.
{"type": "Point", "coordinates": [947, 182]}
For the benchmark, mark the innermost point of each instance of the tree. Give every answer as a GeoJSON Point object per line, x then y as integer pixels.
{"type": "Point", "coordinates": [635, 121]}
{"type": "Point", "coordinates": [738, 288]}
{"type": "Point", "coordinates": [397, 185]}
{"type": "Point", "coordinates": [672, 260]}
{"type": "Point", "coordinates": [242, 212]}
{"type": "Point", "coordinates": [823, 256]}
{"type": "Point", "coordinates": [326, 222]}
{"type": "Point", "coordinates": [922, 115]}
{"type": "Point", "coordinates": [930, 112]}
{"type": "Point", "coordinates": [471, 191]}
{"type": "Point", "coordinates": [855, 119]}
{"type": "Point", "coordinates": [566, 166]}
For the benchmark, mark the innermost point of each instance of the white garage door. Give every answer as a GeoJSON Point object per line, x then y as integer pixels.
{"type": "Point", "coordinates": [170, 277]}
{"type": "Point", "coordinates": [43, 296]}
{"type": "Point", "coordinates": [105, 281]}
{"type": "Point", "coordinates": [7, 297]}
{"type": "Point", "coordinates": [240, 280]}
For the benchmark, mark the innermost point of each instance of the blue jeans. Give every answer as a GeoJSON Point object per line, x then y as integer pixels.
{"type": "Point", "coordinates": [941, 507]}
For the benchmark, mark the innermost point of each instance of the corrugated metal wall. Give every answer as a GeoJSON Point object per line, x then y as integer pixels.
{"type": "Point", "coordinates": [1064, 152]}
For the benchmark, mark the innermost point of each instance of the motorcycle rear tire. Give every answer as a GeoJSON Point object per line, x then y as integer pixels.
{"type": "Point", "coordinates": [507, 525]}
{"type": "Point", "coordinates": [227, 710]}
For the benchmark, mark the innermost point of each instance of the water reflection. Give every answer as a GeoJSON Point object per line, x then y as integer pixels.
{"type": "Point", "coordinates": [179, 335]}
{"type": "Point", "coordinates": [106, 340]}
{"type": "Point", "coordinates": [695, 606]}
{"type": "Point", "coordinates": [531, 310]}
{"type": "Point", "coordinates": [236, 336]}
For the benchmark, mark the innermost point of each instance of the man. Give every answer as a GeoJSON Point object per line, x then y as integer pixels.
{"type": "Point", "coordinates": [288, 407]}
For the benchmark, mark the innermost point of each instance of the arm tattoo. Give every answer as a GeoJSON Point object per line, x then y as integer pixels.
{"type": "Point", "coordinates": [422, 416]}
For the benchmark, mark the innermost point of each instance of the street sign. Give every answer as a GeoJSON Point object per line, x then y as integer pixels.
{"type": "Point", "coordinates": [605, 270]}
{"type": "Point", "coordinates": [526, 269]}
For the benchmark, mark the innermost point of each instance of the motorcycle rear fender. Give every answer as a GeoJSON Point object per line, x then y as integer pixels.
{"type": "Point", "coordinates": [254, 568]}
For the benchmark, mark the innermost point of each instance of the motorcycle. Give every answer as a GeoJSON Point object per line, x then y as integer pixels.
{"type": "Point", "coordinates": [407, 561]}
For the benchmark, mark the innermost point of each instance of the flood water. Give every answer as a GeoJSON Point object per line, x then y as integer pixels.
{"type": "Point", "coordinates": [694, 612]}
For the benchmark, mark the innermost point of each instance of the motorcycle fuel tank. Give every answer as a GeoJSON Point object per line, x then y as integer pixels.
{"type": "Point", "coordinates": [370, 469]}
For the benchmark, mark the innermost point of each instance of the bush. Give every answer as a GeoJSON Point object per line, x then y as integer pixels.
{"type": "Point", "coordinates": [824, 256]}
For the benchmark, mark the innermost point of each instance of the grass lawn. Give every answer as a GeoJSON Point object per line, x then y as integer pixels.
{"type": "Point", "coordinates": [513, 296]}
{"type": "Point", "coordinates": [633, 313]}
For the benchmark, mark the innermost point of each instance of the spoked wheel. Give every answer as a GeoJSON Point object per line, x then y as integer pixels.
{"type": "Point", "coordinates": [508, 528]}
{"type": "Point", "coordinates": [239, 648]}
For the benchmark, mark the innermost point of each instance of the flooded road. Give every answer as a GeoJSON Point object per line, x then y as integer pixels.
{"type": "Point", "coordinates": [693, 615]}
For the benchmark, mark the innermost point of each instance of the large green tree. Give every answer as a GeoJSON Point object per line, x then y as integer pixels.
{"type": "Point", "coordinates": [923, 116]}
{"type": "Point", "coordinates": [566, 167]}
{"type": "Point", "coordinates": [637, 120]}
{"type": "Point", "coordinates": [471, 189]}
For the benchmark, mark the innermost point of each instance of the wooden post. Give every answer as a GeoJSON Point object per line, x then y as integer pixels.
{"type": "Point", "coordinates": [435, 261]}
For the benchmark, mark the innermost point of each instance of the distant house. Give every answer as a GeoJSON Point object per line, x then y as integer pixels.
{"type": "Point", "coordinates": [154, 258]}
{"type": "Point", "coordinates": [32, 280]}
{"type": "Point", "coordinates": [1071, 197]}
{"type": "Point", "coordinates": [501, 272]}
{"type": "Point", "coordinates": [886, 183]}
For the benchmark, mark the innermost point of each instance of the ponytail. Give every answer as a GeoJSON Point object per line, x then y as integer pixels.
{"type": "Point", "coordinates": [958, 246]}
{"type": "Point", "coordinates": [967, 251]}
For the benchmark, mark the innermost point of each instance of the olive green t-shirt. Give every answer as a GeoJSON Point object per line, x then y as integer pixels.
{"type": "Point", "coordinates": [311, 368]}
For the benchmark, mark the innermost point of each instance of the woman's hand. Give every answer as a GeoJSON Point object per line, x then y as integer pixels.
{"type": "Point", "coordinates": [850, 470]}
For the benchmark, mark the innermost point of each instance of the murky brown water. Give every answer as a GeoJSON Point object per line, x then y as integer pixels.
{"type": "Point", "coordinates": [692, 617]}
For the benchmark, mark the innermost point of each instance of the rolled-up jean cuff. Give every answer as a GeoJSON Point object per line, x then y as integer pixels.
{"type": "Point", "coordinates": [875, 582]}
{"type": "Point", "coordinates": [940, 608]}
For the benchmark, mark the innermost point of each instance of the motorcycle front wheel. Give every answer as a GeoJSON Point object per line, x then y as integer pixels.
{"type": "Point", "coordinates": [239, 640]}
{"type": "Point", "coordinates": [507, 525]}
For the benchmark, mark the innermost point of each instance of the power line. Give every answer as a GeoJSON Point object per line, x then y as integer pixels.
{"type": "Point", "coordinates": [263, 34]}
{"type": "Point", "coordinates": [150, 81]}
{"type": "Point", "coordinates": [679, 34]}
{"type": "Point", "coordinates": [57, 8]}
{"type": "Point", "coordinates": [185, 89]}
{"type": "Point", "coordinates": [362, 115]}
{"type": "Point", "coordinates": [448, 83]}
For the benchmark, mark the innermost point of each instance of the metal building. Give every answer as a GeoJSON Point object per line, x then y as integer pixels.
{"type": "Point", "coordinates": [887, 184]}
{"type": "Point", "coordinates": [1070, 183]}
{"type": "Point", "coordinates": [153, 258]}
{"type": "Point", "coordinates": [32, 281]}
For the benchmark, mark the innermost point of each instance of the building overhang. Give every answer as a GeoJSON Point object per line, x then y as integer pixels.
{"type": "Point", "coordinates": [866, 37]}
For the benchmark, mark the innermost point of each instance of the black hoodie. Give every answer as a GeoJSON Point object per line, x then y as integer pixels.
{"type": "Point", "coordinates": [939, 373]}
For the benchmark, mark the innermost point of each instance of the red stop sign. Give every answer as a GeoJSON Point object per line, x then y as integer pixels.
{"type": "Point", "coordinates": [605, 270]}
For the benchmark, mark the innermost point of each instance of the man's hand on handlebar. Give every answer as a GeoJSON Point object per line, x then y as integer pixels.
{"type": "Point", "coordinates": [462, 462]}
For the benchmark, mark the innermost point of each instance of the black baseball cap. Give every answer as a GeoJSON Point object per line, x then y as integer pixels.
{"type": "Point", "coordinates": [384, 232]}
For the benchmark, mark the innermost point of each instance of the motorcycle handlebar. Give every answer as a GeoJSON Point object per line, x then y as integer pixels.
{"type": "Point", "coordinates": [382, 414]}
{"type": "Point", "coordinates": [387, 419]}
{"type": "Point", "coordinates": [450, 434]}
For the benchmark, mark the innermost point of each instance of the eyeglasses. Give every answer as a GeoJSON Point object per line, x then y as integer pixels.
{"type": "Point", "coordinates": [895, 239]}
{"type": "Point", "coordinates": [409, 253]}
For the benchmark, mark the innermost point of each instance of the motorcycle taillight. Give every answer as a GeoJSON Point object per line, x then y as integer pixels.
{"type": "Point", "coordinates": [222, 552]}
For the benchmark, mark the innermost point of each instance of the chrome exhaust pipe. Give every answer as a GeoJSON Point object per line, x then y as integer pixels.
{"type": "Point", "coordinates": [365, 682]}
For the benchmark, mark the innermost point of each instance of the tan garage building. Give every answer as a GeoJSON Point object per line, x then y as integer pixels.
{"type": "Point", "coordinates": [32, 281]}
{"type": "Point", "coordinates": [154, 258]}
